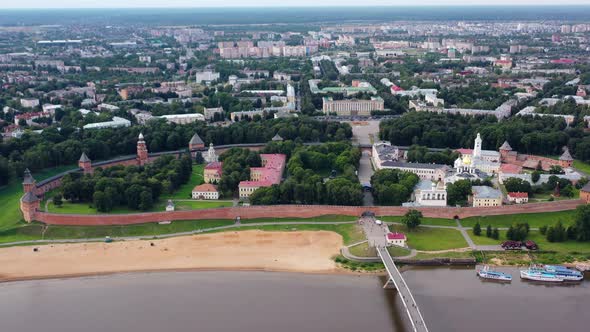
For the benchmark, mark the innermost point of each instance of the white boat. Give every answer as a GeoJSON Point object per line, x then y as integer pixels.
{"type": "Point", "coordinates": [486, 273]}
{"type": "Point", "coordinates": [537, 274]}
{"type": "Point", "coordinates": [563, 272]}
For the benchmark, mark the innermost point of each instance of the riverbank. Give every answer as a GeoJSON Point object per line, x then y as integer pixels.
{"type": "Point", "coordinates": [297, 251]}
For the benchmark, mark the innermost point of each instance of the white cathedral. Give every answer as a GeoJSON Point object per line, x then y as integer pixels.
{"type": "Point", "coordinates": [475, 163]}
{"type": "Point", "coordinates": [210, 156]}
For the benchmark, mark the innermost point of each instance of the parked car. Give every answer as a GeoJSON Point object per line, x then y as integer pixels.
{"type": "Point", "coordinates": [531, 245]}
{"type": "Point", "coordinates": [512, 245]}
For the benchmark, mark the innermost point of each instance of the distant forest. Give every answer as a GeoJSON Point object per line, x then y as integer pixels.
{"type": "Point", "coordinates": [217, 16]}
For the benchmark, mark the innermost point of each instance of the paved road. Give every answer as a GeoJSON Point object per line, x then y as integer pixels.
{"type": "Point", "coordinates": [375, 233]}
{"type": "Point", "coordinates": [403, 291]}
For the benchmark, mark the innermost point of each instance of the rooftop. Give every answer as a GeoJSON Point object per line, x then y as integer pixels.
{"type": "Point", "coordinates": [486, 192]}
{"type": "Point", "coordinates": [206, 187]}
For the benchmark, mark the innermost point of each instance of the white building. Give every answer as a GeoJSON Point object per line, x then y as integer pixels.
{"type": "Point", "coordinates": [108, 108]}
{"type": "Point", "coordinates": [396, 239]}
{"type": "Point", "coordinates": [210, 156]}
{"type": "Point", "coordinates": [429, 193]}
{"type": "Point", "coordinates": [29, 102]}
{"type": "Point", "coordinates": [433, 172]}
{"type": "Point", "coordinates": [183, 118]}
{"type": "Point", "coordinates": [487, 161]}
{"type": "Point", "coordinates": [383, 151]}
{"type": "Point", "coordinates": [206, 76]}
{"type": "Point", "coordinates": [117, 122]}
{"type": "Point", "coordinates": [205, 191]}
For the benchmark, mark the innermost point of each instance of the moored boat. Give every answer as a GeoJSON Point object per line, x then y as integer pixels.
{"type": "Point", "coordinates": [486, 273]}
{"type": "Point", "coordinates": [538, 274]}
{"type": "Point", "coordinates": [564, 272]}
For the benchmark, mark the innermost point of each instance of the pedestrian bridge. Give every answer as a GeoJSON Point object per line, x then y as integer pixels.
{"type": "Point", "coordinates": [397, 281]}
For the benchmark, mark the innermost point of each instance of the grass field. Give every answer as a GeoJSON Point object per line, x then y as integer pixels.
{"type": "Point", "coordinates": [560, 247]}
{"type": "Point", "coordinates": [425, 221]}
{"type": "Point", "coordinates": [450, 254]}
{"type": "Point", "coordinates": [535, 220]}
{"type": "Point", "coordinates": [431, 239]}
{"type": "Point", "coordinates": [10, 195]}
{"type": "Point", "coordinates": [363, 250]}
{"type": "Point", "coordinates": [396, 251]}
{"type": "Point", "coordinates": [326, 218]}
{"type": "Point", "coordinates": [185, 191]}
{"type": "Point", "coordinates": [483, 240]}
{"type": "Point", "coordinates": [582, 166]}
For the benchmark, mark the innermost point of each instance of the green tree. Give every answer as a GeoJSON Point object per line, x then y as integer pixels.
{"type": "Point", "coordinates": [582, 223]}
{"type": "Point", "coordinates": [535, 176]}
{"type": "Point", "coordinates": [495, 233]}
{"type": "Point", "coordinates": [412, 219]}
{"type": "Point", "coordinates": [489, 231]}
{"type": "Point", "coordinates": [477, 229]}
{"type": "Point", "coordinates": [57, 200]}
{"type": "Point", "coordinates": [145, 200]}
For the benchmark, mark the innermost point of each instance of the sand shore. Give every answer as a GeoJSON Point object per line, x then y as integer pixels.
{"type": "Point", "coordinates": [309, 252]}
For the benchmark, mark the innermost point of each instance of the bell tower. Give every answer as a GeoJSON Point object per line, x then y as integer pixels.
{"type": "Point", "coordinates": [477, 147]}
{"type": "Point", "coordinates": [142, 152]}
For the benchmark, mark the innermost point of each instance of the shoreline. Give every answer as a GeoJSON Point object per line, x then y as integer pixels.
{"type": "Point", "coordinates": [309, 252]}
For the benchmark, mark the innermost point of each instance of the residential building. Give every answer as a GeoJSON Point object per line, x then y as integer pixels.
{"type": "Point", "coordinates": [209, 113]}
{"type": "Point", "coordinates": [205, 191]}
{"type": "Point", "coordinates": [206, 76]}
{"type": "Point", "coordinates": [352, 107]}
{"type": "Point", "coordinates": [396, 239]}
{"type": "Point", "coordinates": [270, 173]}
{"type": "Point", "coordinates": [108, 108]}
{"type": "Point", "coordinates": [484, 196]}
{"type": "Point", "coordinates": [183, 118]}
{"type": "Point", "coordinates": [212, 172]}
{"type": "Point", "coordinates": [433, 172]}
{"type": "Point", "coordinates": [29, 102]}
{"type": "Point", "coordinates": [518, 197]}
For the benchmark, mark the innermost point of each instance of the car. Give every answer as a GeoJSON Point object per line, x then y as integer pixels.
{"type": "Point", "coordinates": [378, 222]}
{"type": "Point", "coordinates": [531, 245]}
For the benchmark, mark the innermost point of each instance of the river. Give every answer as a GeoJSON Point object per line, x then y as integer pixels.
{"type": "Point", "coordinates": [450, 299]}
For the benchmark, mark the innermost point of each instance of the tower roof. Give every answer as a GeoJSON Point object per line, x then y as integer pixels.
{"type": "Point", "coordinates": [140, 136]}
{"type": "Point", "coordinates": [566, 155]}
{"type": "Point", "coordinates": [29, 197]}
{"type": "Point", "coordinates": [28, 178]}
{"type": "Point", "coordinates": [84, 158]}
{"type": "Point", "coordinates": [506, 146]}
{"type": "Point", "coordinates": [196, 140]}
{"type": "Point", "coordinates": [277, 137]}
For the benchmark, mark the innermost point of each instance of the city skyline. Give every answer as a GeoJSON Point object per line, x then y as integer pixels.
{"type": "Point", "coordinates": [87, 4]}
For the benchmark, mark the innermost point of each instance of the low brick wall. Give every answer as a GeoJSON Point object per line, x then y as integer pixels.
{"type": "Point", "coordinates": [296, 211]}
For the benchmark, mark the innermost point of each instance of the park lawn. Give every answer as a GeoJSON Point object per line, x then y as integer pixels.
{"type": "Point", "coordinates": [196, 205]}
{"type": "Point", "coordinates": [363, 250]}
{"type": "Point", "coordinates": [185, 191]}
{"type": "Point", "coordinates": [396, 251]}
{"type": "Point", "coordinates": [582, 166]}
{"type": "Point", "coordinates": [22, 232]}
{"type": "Point", "coordinates": [10, 195]}
{"type": "Point", "coordinates": [560, 247]}
{"type": "Point", "coordinates": [351, 233]}
{"type": "Point", "coordinates": [325, 218]}
{"type": "Point", "coordinates": [147, 229]}
{"type": "Point", "coordinates": [432, 239]}
{"type": "Point", "coordinates": [85, 208]}
{"type": "Point", "coordinates": [535, 220]}
{"type": "Point", "coordinates": [483, 240]}
{"type": "Point", "coordinates": [423, 221]}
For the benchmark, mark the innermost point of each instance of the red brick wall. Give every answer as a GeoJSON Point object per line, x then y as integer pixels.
{"type": "Point", "coordinates": [296, 211]}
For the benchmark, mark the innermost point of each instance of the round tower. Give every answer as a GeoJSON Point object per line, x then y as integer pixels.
{"type": "Point", "coordinates": [29, 183]}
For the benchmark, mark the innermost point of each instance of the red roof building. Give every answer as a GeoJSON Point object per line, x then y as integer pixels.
{"type": "Point", "coordinates": [270, 173]}
{"type": "Point", "coordinates": [518, 197]}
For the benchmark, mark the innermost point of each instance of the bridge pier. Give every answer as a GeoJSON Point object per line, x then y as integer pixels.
{"type": "Point", "coordinates": [389, 284]}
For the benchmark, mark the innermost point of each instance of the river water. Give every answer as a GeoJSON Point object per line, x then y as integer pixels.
{"type": "Point", "coordinates": [450, 299]}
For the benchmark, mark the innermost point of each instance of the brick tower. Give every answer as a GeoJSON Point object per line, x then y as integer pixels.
{"type": "Point", "coordinates": [29, 183]}
{"type": "Point", "coordinates": [142, 152]}
{"type": "Point", "coordinates": [85, 164]}
{"type": "Point", "coordinates": [29, 204]}
{"type": "Point", "coordinates": [566, 160]}
{"type": "Point", "coordinates": [195, 143]}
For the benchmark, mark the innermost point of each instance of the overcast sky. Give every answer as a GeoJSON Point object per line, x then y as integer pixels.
{"type": "Point", "coordinates": [265, 3]}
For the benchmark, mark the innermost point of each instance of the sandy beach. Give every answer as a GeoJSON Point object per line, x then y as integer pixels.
{"type": "Point", "coordinates": [309, 252]}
